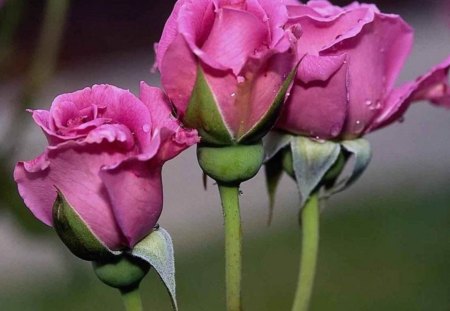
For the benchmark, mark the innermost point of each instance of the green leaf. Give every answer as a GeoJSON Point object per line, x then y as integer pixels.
{"type": "Point", "coordinates": [157, 250]}
{"type": "Point", "coordinates": [204, 115]}
{"type": "Point", "coordinates": [260, 129]}
{"type": "Point", "coordinates": [362, 152]}
{"type": "Point", "coordinates": [273, 171]}
{"type": "Point", "coordinates": [312, 160]}
{"type": "Point", "coordinates": [76, 234]}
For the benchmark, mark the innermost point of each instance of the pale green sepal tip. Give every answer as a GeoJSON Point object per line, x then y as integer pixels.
{"type": "Point", "coordinates": [75, 233]}
{"type": "Point", "coordinates": [124, 272]}
{"type": "Point", "coordinates": [361, 150]}
{"type": "Point", "coordinates": [311, 162]}
{"type": "Point", "coordinates": [268, 120]}
{"type": "Point", "coordinates": [274, 141]}
{"type": "Point", "coordinates": [157, 250]}
{"type": "Point", "coordinates": [204, 115]}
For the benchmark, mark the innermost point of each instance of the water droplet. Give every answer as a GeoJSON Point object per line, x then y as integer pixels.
{"type": "Point", "coordinates": [359, 127]}
{"type": "Point", "coordinates": [240, 79]}
{"type": "Point", "coordinates": [367, 103]}
{"type": "Point", "coordinates": [338, 37]}
{"type": "Point", "coordinates": [401, 120]}
{"type": "Point", "coordinates": [319, 140]}
{"type": "Point", "coordinates": [146, 128]}
{"type": "Point", "coordinates": [288, 94]}
{"type": "Point", "coordinates": [376, 106]}
{"type": "Point", "coordinates": [360, 20]}
{"type": "Point", "coordinates": [335, 130]}
{"type": "Point", "coordinates": [241, 192]}
{"type": "Point", "coordinates": [233, 94]}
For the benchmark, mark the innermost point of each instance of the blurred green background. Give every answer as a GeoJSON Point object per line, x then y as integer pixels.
{"type": "Point", "coordinates": [385, 243]}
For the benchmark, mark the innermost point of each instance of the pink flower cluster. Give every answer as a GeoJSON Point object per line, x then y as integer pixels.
{"type": "Point", "coordinates": [224, 65]}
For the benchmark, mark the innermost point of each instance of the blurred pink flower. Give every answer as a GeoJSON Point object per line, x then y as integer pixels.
{"type": "Point", "coordinates": [243, 51]}
{"type": "Point", "coordinates": [105, 154]}
{"type": "Point", "coordinates": [352, 56]}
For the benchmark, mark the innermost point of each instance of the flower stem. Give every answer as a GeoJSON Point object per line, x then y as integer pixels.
{"type": "Point", "coordinates": [131, 299]}
{"type": "Point", "coordinates": [310, 247]}
{"type": "Point", "coordinates": [233, 245]}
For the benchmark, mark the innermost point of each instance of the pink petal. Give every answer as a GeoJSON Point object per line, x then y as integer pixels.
{"type": "Point", "coordinates": [228, 46]}
{"type": "Point", "coordinates": [433, 86]}
{"type": "Point", "coordinates": [317, 109]}
{"type": "Point", "coordinates": [375, 59]}
{"type": "Point", "coordinates": [169, 34]}
{"type": "Point", "coordinates": [174, 137]}
{"type": "Point", "coordinates": [178, 73]}
{"type": "Point", "coordinates": [74, 169]}
{"type": "Point", "coordinates": [135, 191]}
{"type": "Point", "coordinates": [319, 68]}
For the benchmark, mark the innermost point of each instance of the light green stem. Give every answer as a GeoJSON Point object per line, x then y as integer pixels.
{"type": "Point", "coordinates": [310, 247]}
{"type": "Point", "coordinates": [132, 299]}
{"type": "Point", "coordinates": [233, 245]}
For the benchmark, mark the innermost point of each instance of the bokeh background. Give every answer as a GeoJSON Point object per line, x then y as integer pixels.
{"type": "Point", "coordinates": [385, 243]}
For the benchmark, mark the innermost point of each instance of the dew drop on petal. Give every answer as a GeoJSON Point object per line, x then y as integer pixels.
{"type": "Point", "coordinates": [335, 130]}
{"type": "Point", "coordinates": [146, 128]}
{"type": "Point", "coordinates": [233, 94]}
{"type": "Point", "coordinates": [240, 79]}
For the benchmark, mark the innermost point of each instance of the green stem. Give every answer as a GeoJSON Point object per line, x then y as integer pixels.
{"type": "Point", "coordinates": [310, 247]}
{"type": "Point", "coordinates": [132, 299]}
{"type": "Point", "coordinates": [233, 245]}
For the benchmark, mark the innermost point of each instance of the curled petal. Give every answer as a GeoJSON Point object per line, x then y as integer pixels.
{"type": "Point", "coordinates": [433, 86]}
{"type": "Point", "coordinates": [174, 137]}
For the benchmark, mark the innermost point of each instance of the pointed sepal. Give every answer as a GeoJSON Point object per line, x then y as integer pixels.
{"type": "Point", "coordinates": [76, 234]}
{"type": "Point", "coordinates": [204, 115]}
{"type": "Point", "coordinates": [311, 162]}
{"type": "Point", "coordinates": [361, 151]}
{"type": "Point", "coordinates": [157, 250]}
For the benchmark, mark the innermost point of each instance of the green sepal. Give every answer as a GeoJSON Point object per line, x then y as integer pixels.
{"type": "Point", "coordinates": [268, 120]}
{"type": "Point", "coordinates": [311, 162]}
{"type": "Point", "coordinates": [273, 169]}
{"type": "Point", "coordinates": [123, 272]}
{"type": "Point", "coordinates": [274, 141]}
{"type": "Point", "coordinates": [157, 250]}
{"type": "Point", "coordinates": [204, 115]}
{"type": "Point", "coordinates": [76, 234]}
{"type": "Point", "coordinates": [231, 165]}
{"type": "Point", "coordinates": [362, 152]}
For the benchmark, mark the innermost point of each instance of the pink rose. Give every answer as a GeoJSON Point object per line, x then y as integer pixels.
{"type": "Point", "coordinates": [352, 56]}
{"type": "Point", "coordinates": [230, 57]}
{"type": "Point", "coordinates": [105, 154]}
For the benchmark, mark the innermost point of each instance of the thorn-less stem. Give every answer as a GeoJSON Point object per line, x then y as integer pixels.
{"type": "Point", "coordinates": [131, 299]}
{"type": "Point", "coordinates": [310, 246]}
{"type": "Point", "coordinates": [233, 245]}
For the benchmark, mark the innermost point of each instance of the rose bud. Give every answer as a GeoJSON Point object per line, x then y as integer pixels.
{"type": "Point", "coordinates": [105, 153]}
{"type": "Point", "coordinates": [345, 84]}
{"type": "Point", "coordinates": [225, 66]}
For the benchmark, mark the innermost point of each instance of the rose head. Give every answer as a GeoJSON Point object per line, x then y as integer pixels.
{"type": "Point", "coordinates": [106, 148]}
{"type": "Point", "coordinates": [351, 58]}
{"type": "Point", "coordinates": [224, 64]}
